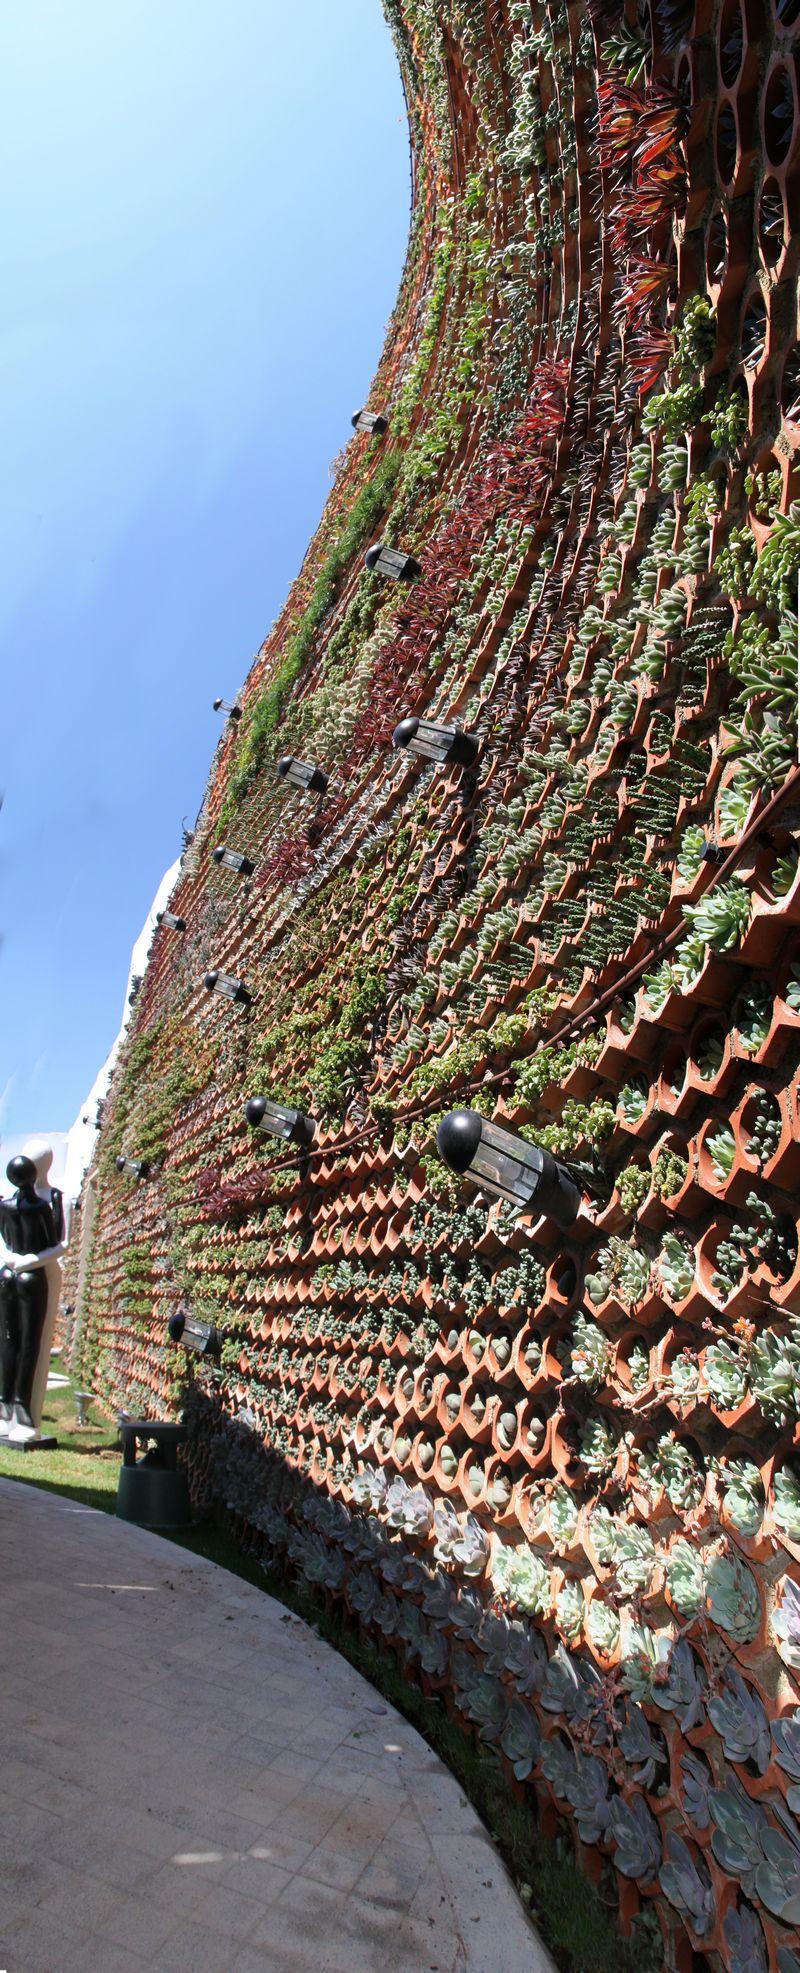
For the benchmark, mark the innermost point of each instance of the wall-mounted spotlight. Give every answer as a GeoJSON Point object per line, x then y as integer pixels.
{"type": "Point", "coordinates": [93, 1122]}
{"type": "Point", "coordinates": [226, 986]}
{"type": "Point", "coordinates": [234, 712]}
{"type": "Point", "coordinates": [524, 1174]}
{"type": "Point", "coordinates": [173, 923]}
{"type": "Point", "coordinates": [370, 421]}
{"type": "Point", "coordinates": [274, 1120]}
{"type": "Point", "coordinates": [234, 860]}
{"type": "Point", "coordinates": [442, 744]}
{"type": "Point", "coordinates": [134, 1167]}
{"type": "Point", "coordinates": [394, 563]}
{"type": "Point", "coordinates": [202, 1338]}
{"type": "Point", "coordinates": [302, 774]}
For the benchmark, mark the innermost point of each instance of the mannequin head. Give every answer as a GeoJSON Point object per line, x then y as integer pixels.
{"type": "Point", "coordinates": [41, 1155]}
{"type": "Point", "coordinates": [22, 1173]}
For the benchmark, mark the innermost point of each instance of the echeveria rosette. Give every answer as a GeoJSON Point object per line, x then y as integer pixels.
{"type": "Point", "coordinates": [636, 1834]}
{"type": "Point", "coordinates": [520, 1739]}
{"type": "Point", "coordinates": [687, 1884]}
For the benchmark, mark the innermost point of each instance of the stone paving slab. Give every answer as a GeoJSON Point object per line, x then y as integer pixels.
{"type": "Point", "coordinates": [194, 1782]}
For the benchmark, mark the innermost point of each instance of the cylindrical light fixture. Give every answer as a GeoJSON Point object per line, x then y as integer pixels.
{"type": "Point", "coordinates": [370, 421]}
{"type": "Point", "coordinates": [394, 563]}
{"type": "Point", "coordinates": [169, 919]}
{"type": "Point", "coordinates": [202, 1338]}
{"type": "Point", "coordinates": [234, 712]}
{"type": "Point", "coordinates": [134, 1167]}
{"type": "Point", "coordinates": [275, 1120]}
{"type": "Point", "coordinates": [234, 860]}
{"type": "Point", "coordinates": [226, 986]}
{"type": "Point", "coordinates": [524, 1174]}
{"type": "Point", "coordinates": [432, 741]}
{"type": "Point", "coordinates": [302, 774]}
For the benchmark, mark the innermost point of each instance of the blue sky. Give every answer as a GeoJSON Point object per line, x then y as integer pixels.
{"type": "Point", "coordinates": [206, 217]}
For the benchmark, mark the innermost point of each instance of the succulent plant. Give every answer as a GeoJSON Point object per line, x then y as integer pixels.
{"type": "Point", "coordinates": [670, 1465]}
{"type": "Point", "coordinates": [786, 1501]}
{"type": "Point", "coordinates": [586, 1788]}
{"type": "Point", "coordinates": [722, 916]}
{"type": "Point", "coordinates": [602, 1626]}
{"type": "Point", "coordinates": [520, 1739]}
{"type": "Point", "coordinates": [743, 1494]}
{"type": "Point", "coordinates": [591, 1352]}
{"type": "Point", "coordinates": [561, 1515]}
{"type": "Point", "coordinates": [744, 1938]}
{"type": "Point", "coordinates": [481, 1696]}
{"type": "Point", "coordinates": [725, 1376]}
{"type": "Point", "coordinates": [643, 1749]}
{"type": "Point", "coordinates": [570, 1609]}
{"type": "Point", "coordinates": [753, 1015]}
{"type": "Point", "coordinates": [687, 1884]}
{"type": "Point", "coordinates": [369, 1488]}
{"type": "Point", "coordinates": [786, 1737]}
{"type": "Point", "coordinates": [598, 1445]}
{"type": "Point", "coordinates": [785, 1622]}
{"type": "Point", "coordinates": [408, 1509]}
{"type": "Point", "coordinates": [676, 1267]}
{"type": "Point", "coordinates": [722, 1151]}
{"type": "Point", "coordinates": [639, 1367]}
{"type": "Point", "coordinates": [738, 1716]}
{"type": "Point", "coordinates": [690, 854]}
{"type": "Point", "coordinates": [433, 1653]}
{"type": "Point", "coordinates": [635, 1558]}
{"type": "Point", "coordinates": [778, 1874]}
{"type": "Point", "coordinates": [633, 1099]}
{"type": "Point", "coordinates": [733, 1599]}
{"type": "Point", "coordinates": [697, 1780]}
{"type": "Point", "coordinates": [686, 1579]}
{"type": "Point", "coordinates": [773, 1365]}
{"type": "Point", "coordinates": [519, 1574]}
{"type": "Point", "coordinates": [557, 1764]}
{"type": "Point", "coordinates": [638, 1844]}
{"type": "Point", "coordinates": [463, 1547]}
{"type": "Point", "coordinates": [738, 1827]}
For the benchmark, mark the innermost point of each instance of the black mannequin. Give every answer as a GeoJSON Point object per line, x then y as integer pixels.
{"type": "Point", "coordinates": [30, 1227]}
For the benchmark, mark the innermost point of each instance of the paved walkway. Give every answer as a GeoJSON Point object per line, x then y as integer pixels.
{"type": "Point", "coordinates": [193, 1782]}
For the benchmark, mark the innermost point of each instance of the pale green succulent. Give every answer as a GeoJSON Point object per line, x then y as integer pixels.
{"type": "Point", "coordinates": [570, 1609]}
{"type": "Point", "coordinates": [602, 1626]}
{"type": "Point", "coordinates": [635, 1558]}
{"type": "Point", "coordinates": [786, 1502]}
{"type": "Point", "coordinates": [743, 1495]}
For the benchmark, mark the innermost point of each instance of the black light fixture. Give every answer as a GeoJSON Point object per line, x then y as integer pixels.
{"type": "Point", "coordinates": [524, 1174]}
{"type": "Point", "coordinates": [234, 860]}
{"type": "Point", "coordinates": [302, 774]}
{"type": "Point", "coordinates": [394, 563]}
{"type": "Point", "coordinates": [202, 1338]}
{"type": "Point", "coordinates": [226, 986]}
{"type": "Point", "coordinates": [134, 1167]}
{"type": "Point", "coordinates": [432, 741]}
{"type": "Point", "coordinates": [275, 1120]}
{"type": "Point", "coordinates": [169, 919]}
{"type": "Point", "coordinates": [234, 712]}
{"type": "Point", "coordinates": [93, 1122]}
{"type": "Point", "coordinates": [370, 421]}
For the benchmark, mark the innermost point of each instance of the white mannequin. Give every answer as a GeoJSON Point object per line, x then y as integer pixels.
{"type": "Point", "coordinates": [17, 1428]}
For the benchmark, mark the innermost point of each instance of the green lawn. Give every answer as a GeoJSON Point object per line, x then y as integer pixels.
{"type": "Point", "coordinates": [576, 1924]}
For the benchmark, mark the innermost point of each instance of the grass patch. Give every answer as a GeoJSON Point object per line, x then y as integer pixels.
{"type": "Point", "coordinates": [579, 1929]}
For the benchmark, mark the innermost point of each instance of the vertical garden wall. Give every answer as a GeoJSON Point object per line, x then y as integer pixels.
{"type": "Point", "coordinates": [558, 1473]}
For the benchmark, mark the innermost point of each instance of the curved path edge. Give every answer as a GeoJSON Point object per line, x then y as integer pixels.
{"type": "Point", "coordinates": [195, 1782]}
